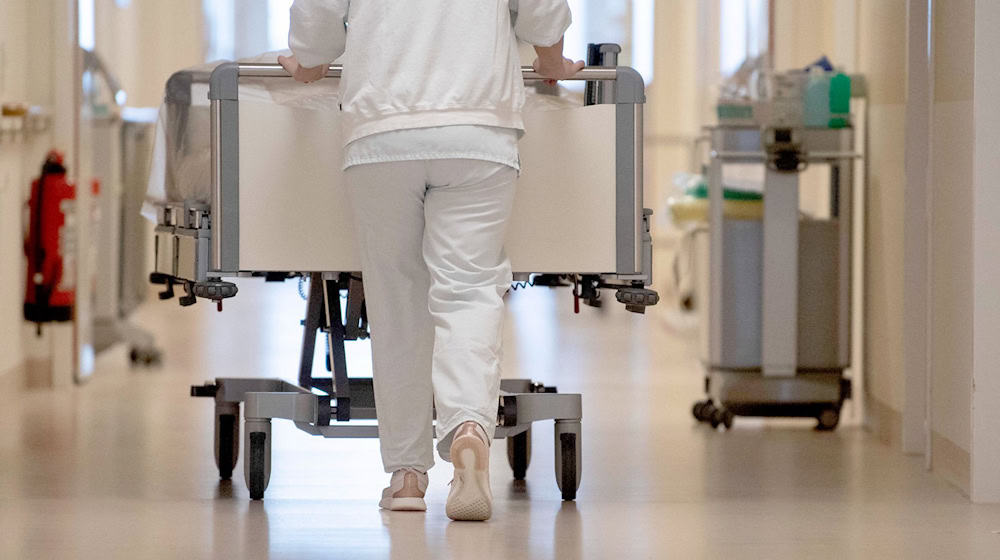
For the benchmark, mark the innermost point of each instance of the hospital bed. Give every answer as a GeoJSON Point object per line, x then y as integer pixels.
{"type": "Point", "coordinates": [578, 215]}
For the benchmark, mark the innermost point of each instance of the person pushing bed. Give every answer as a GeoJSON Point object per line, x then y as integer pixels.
{"type": "Point", "coordinates": [431, 96]}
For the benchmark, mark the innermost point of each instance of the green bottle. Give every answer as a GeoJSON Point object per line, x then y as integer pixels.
{"type": "Point", "coordinates": [840, 100]}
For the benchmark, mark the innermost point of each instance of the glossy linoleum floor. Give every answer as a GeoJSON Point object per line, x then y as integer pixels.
{"type": "Point", "coordinates": [122, 467]}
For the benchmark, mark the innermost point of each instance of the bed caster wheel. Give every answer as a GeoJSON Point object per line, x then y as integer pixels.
{"type": "Point", "coordinates": [703, 410]}
{"type": "Point", "coordinates": [696, 410]}
{"type": "Point", "coordinates": [713, 416]}
{"type": "Point", "coordinates": [144, 356]}
{"type": "Point", "coordinates": [568, 457]}
{"type": "Point", "coordinates": [828, 420]}
{"type": "Point", "coordinates": [257, 466]}
{"type": "Point", "coordinates": [725, 418]}
{"type": "Point", "coordinates": [519, 453]}
{"type": "Point", "coordinates": [227, 438]}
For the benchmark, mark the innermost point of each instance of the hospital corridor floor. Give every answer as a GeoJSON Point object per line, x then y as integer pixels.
{"type": "Point", "coordinates": [122, 466]}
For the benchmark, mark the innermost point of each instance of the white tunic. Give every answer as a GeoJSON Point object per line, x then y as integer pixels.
{"type": "Point", "coordinates": [427, 63]}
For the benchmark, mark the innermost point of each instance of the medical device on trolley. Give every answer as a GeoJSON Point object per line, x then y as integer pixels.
{"type": "Point", "coordinates": [777, 324]}
{"type": "Point", "coordinates": [267, 215]}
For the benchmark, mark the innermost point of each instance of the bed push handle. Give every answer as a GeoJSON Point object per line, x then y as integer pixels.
{"type": "Point", "coordinates": [275, 70]}
{"type": "Point", "coordinates": [224, 82]}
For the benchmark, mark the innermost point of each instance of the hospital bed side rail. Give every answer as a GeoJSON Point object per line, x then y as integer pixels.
{"type": "Point", "coordinates": [632, 239]}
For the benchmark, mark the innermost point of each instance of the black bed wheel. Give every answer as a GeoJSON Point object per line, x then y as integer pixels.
{"type": "Point", "coordinates": [568, 457]}
{"type": "Point", "coordinates": [714, 417]}
{"type": "Point", "coordinates": [519, 453]}
{"type": "Point", "coordinates": [256, 479]}
{"type": "Point", "coordinates": [228, 444]}
{"type": "Point", "coordinates": [828, 420]}
{"type": "Point", "coordinates": [726, 418]}
{"type": "Point", "coordinates": [696, 410]}
{"type": "Point", "coordinates": [703, 410]}
{"type": "Point", "coordinates": [146, 357]}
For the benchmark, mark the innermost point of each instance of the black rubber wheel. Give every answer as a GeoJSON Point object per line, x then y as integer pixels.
{"type": "Point", "coordinates": [227, 440]}
{"type": "Point", "coordinates": [255, 455]}
{"type": "Point", "coordinates": [697, 410]}
{"type": "Point", "coordinates": [714, 416]}
{"type": "Point", "coordinates": [519, 453]}
{"type": "Point", "coordinates": [828, 420]}
{"type": "Point", "coordinates": [148, 356]}
{"type": "Point", "coordinates": [727, 418]}
{"type": "Point", "coordinates": [707, 411]}
{"type": "Point", "coordinates": [568, 470]}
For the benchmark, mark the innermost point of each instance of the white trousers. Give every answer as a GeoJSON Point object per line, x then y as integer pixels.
{"type": "Point", "coordinates": [431, 238]}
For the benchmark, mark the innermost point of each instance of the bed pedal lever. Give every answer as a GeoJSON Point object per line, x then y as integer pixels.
{"type": "Point", "coordinates": [209, 389]}
{"type": "Point", "coordinates": [188, 298]}
{"type": "Point", "coordinates": [163, 279]}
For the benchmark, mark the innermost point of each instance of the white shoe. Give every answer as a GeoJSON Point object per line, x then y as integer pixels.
{"type": "Point", "coordinates": [470, 498]}
{"type": "Point", "coordinates": [405, 491]}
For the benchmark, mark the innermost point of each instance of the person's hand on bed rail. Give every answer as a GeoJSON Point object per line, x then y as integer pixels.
{"type": "Point", "coordinates": [301, 73]}
{"type": "Point", "coordinates": [553, 65]}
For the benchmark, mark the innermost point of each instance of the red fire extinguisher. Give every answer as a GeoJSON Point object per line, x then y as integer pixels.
{"type": "Point", "coordinates": [50, 247]}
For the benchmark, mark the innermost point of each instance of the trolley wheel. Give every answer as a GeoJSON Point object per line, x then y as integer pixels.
{"type": "Point", "coordinates": [722, 417]}
{"type": "Point", "coordinates": [519, 453]}
{"type": "Point", "coordinates": [696, 410]}
{"type": "Point", "coordinates": [703, 410]}
{"type": "Point", "coordinates": [144, 356]}
{"type": "Point", "coordinates": [714, 416]}
{"type": "Point", "coordinates": [726, 417]}
{"type": "Point", "coordinates": [568, 458]}
{"type": "Point", "coordinates": [828, 420]}
{"type": "Point", "coordinates": [227, 443]}
{"type": "Point", "coordinates": [708, 413]}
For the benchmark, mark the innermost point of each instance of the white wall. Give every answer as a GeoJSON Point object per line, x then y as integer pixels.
{"type": "Point", "coordinates": [24, 30]}
{"type": "Point", "coordinates": [671, 127]}
{"type": "Point", "coordinates": [952, 157]}
{"type": "Point", "coordinates": [804, 32]}
{"type": "Point", "coordinates": [12, 48]}
{"type": "Point", "coordinates": [881, 36]}
{"type": "Point", "coordinates": [985, 477]}
{"type": "Point", "coordinates": [146, 41]}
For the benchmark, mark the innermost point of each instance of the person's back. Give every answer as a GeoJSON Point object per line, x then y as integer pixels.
{"type": "Point", "coordinates": [432, 95]}
{"type": "Point", "coordinates": [422, 63]}
{"type": "Point", "coordinates": [432, 63]}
